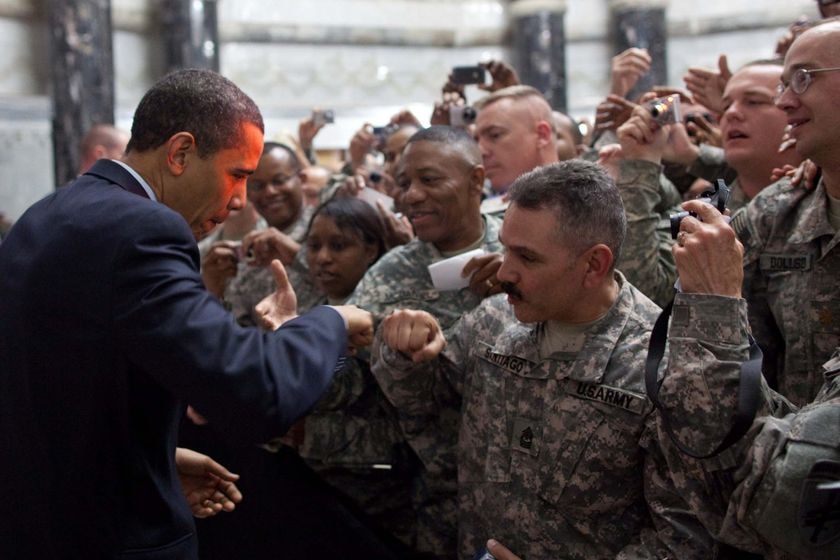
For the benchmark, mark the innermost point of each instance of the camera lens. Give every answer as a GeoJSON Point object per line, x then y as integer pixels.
{"type": "Point", "coordinates": [676, 219]}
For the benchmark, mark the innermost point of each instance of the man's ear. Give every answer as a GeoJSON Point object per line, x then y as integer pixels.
{"type": "Point", "coordinates": [179, 149]}
{"type": "Point", "coordinates": [544, 133]}
{"type": "Point", "coordinates": [99, 152]}
{"type": "Point", "coordinates": [598, 262]}
{"type": "Point", "coordinates": [477, 179]}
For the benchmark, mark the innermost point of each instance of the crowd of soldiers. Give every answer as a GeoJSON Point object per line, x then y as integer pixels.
{"type": "Point", "coordinates": [511, 414]}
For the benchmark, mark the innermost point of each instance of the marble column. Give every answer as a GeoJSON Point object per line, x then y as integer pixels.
{"type": "Point", "coordinates": [539, 47]}
{"type": "Point", "coordinates": [81, 76]}
{"type": "Point", "coordinates": [642, 24]}
{"type": "Point", "coordinates": [190, 31]}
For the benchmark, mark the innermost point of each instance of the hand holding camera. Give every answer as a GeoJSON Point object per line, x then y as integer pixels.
{"type": "Point", "coordinates": [717, 197]}
{"type": "Point", "coordinates": [708, 254]}
{"type": "Point", "coordinates": [642, 137]}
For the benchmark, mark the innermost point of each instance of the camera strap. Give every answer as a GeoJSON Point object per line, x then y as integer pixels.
{"type": "Point", "coordinates": [749, 388]}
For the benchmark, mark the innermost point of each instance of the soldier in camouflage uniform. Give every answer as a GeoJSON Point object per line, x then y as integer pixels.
{"type": "Point", "coordinates": [555, 453]}
{"type": "Point", "coordinates": [275, 189]}
{"type": "Point", "coordinates": [762, 493]}
{"type": "Point", "coordinates": [516, 133]}
{"type": "Point", "coordinates": [753, 129]}
{"type": "Point", "coordinates": [441, 175]}
{"type": "Point", "coordinates": [351, 437]}
{"type": "Point", "coordinates": [791, 263]}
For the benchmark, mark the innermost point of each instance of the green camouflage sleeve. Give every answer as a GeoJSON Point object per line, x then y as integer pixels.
{"type": "Point", "coordinates": [250, 285]}
{"type": "Point", "coordinates": [646, 259]}
{"type": "Point", "coordinates": [426, 401]}
{"type": "Point", "coordinates": [677, 532]}
{"type": "Point", "coordinates": [773, 500]}
{"type": "Point", "coordinates": [711, 165]}
{"type": "Point", "coordinates": [707, 344]}
{"type": "Point", "coordinates": [350, 382]}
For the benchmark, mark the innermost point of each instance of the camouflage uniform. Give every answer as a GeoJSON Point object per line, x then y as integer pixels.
{"type": "Point", "coordinates": [711, 165]}
{"type": "Point", "coordinates": [399, 280]}
{"type": "Point", "coordinates": [218, 234]}
{"type": "Point", "coordinates": [751, 494]}
{"type": "Point", "coordinates": [352, 440]}
{"type": "Point", "coordinates": [790, 284]}
{"type": "Point", "coordinates": [252, 283]}
{"type": "Point", "coordinates": [646, 256]}
{"type": "Point", "coordinates": [555, 456]}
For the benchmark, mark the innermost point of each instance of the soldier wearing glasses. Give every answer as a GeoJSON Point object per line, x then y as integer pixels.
{"type": "Point", "coordinates": [789, 233]}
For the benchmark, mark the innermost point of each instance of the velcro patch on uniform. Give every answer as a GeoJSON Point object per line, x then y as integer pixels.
{"type": "Point", "coordinates": [612, 396]}
{"type": "Point", "coordinates": [526, 436]}
{"type": "Point", "coordinates": [740, 223]}
{"type": "Point", "coordinates": [777, 262]}
{"type": "Point", "coordinates": [513, 364]}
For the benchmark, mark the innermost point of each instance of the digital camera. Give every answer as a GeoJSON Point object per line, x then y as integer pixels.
{"type": "Point", "coordinates": [462, 116]}
{"type": "Point", "coordinates": [718, 197]}
{"type": "Point", "coordinates": [665, 110]}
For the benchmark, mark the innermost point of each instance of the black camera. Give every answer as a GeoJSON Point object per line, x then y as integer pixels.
{"type": "Point", "coordinates": [464, 75]}
{"type": "Point", "coordinates": [718, 197]}
{"type": "Point", "coordinates": [462, 116]}
{"type": "Point", "coordinates": [383, 132]}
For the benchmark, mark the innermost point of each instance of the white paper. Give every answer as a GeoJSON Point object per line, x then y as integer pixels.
{"type": "Point", "coordinates": [446, 274]}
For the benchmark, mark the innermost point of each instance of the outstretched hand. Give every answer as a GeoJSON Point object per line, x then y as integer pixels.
{"type": "Point", "coordinates": [208, 486]}
{"type": "Point", "coordinates": [503, 75]}
{"type": "Point", "coordinates": [281, 306]}
{"type": "Point", "coordinates": [707, 85]}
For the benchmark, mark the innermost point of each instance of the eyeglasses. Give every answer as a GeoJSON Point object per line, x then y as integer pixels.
{"type": "Point", "coordinates": [276, 182]}
{"type": "Point", "coordinates": [800, 80]}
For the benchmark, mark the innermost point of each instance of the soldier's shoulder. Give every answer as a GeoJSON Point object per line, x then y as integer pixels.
{"type": "Point", "coordinates": [639, 306]}
{"type": "Point", "coordinates": [778, 195]}
{"type": "Point", "coordinates": [491, 317]}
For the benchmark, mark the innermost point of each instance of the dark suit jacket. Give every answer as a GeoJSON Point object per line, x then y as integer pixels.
{"type": "Point", "coordinates": [106, 331]}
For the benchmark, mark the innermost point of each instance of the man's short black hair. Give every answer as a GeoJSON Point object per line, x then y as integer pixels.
{"type": "Point", "coordinates": [201, 102]}
{"type": "Point", "coordinates": [270, 146]}
{"type": "Point", "coordinates": [453, 136]}
{"type": "Point", "coordinates": [584, 199]}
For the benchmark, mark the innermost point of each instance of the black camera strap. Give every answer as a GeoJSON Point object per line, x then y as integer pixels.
{"type": "Point", "coordinates": [749, 388]}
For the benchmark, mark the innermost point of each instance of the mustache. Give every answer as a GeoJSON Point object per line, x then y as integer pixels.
{"type": "Point", "coordinates": [511, 290]}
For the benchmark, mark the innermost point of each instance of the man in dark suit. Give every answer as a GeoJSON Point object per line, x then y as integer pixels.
{"type": "Point", "coordinates": [106, 331]}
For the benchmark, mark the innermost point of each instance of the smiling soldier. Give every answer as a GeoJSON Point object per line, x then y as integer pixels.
{"type": "Point", "coordinates": [554, 451]}
{"type": "Point", "coordinates": [441, 176]}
